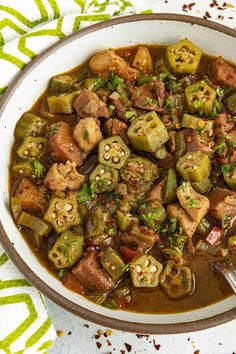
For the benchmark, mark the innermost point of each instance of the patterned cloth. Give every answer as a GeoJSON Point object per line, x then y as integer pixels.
{"type": "Point", "coordinates": [27, 27]}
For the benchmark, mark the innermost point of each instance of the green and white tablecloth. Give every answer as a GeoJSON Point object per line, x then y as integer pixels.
{"type": "Point", "coordinates": [27, 27]}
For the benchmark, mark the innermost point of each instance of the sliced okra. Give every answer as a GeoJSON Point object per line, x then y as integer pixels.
{"type": "Point", "coordinates": [29, 124]}
{"type": "Point", "coordinates": [32, 169]}
{"type": "Point", "coordinates": [147, 132]}
{"type": "Point", "coordinates": [62, 214]}
{"type": "Point", "coordinates": [103, 178]}
{"type": "Point", "coordinates": [176, 280]}
{"type": "Point", "coordinates": [113, 152]}
{"type": "Point", "coordinates": [66, 250]}
{"type": "Point", "coordinates": [183, 57]}
{"type": "Point", "coordinates": [94, 222]}
{"type": "Point", "coordinates": [62, 103]}
{"type": "Point", "coordinates": [194, 166]}
{"type": "Point", "coordinates": [145, 271]}
{"type": "Point", "coordinates": [200, 98]}
{"type": "Point", "coordinates": [63, 84]}
{"type": "Point", "coordinates": [32, 148]}
{"type": "Point", "coordinates": [153, 214]}
{"type": "Point", "coordinates": [113, 264]}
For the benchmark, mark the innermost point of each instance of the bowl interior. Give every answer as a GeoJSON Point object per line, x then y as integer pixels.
{"type": "Point", "coordinates": [28, 87]}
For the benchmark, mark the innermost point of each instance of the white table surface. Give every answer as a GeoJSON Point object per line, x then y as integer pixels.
{"type": "Point", "coordinates": [79, 335]}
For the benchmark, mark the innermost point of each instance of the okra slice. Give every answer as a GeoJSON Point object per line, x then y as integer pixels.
{"type": "Point", "coordinates": [29, 124]}
{"type": "Point", "coordinates": [203, 186]}
{"type": "Point", "coordinates": [194, 166]}
{"type": "Point", "coordinates": [125, 221]}
{"type": "Point", "coordinates": [161, 153]}
{"type": "Point", "coordinates": [67, 250]}
{"type": "Point", "coordinates": [152, 213]}
{"type": "Point", "coordinates": [147, 132]}
{"type": "Point", "coordinates": [230, 102]}
{"type": "Point", "coordinates": [113, 264]}
{"type": "Point", "coordinates": [232, 244]}
{"type": "Point", "coordinates": [229, 173]}
{"type": "Point", "coordinates": [170, 187]}
{"type": "Point", "coordinates": [138, 174]}
{"type": "Point", "coordinates": [62, 103]}
{"type": "Point", "coordinates": [16, 207]}
{"type": "Point", "coordinates": [62, 214]}
{"type": "Point", "coordinates": [204, 227]}
{"type": "Point", "coordinates": [113, 152]}
{"type": "Point", "coordinates": [32, 169]}
{"type": "Point", "coordinates": [176, 280]}
{"type": "Point", "coordinates": [103, 178]}
{"type": "Point", "coordinates": [39, 227]}
{"type": "Point", "coordinates": [32, 148]}
{"type": "Point", "coordinates": [94, 222]}
{"type": "Point", "coordinates": [200, 98]}
{"type": "Point", "coordinates": [145, 271]}
{"type": "Point", "coordinates": [189, 121]}
{"type": "Point", "coordinates": [183, 57]}
{"type": "Point", "coordinates": [64, 83]}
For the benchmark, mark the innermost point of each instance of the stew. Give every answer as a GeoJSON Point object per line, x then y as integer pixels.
{"type": "Point", "coordinates": [123, 177]}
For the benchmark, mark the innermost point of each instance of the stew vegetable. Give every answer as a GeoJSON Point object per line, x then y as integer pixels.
{"type": "Point", "coordinates": [123, 177]}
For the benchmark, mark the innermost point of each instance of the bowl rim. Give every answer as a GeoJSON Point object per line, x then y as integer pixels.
{"type": "Point", "coordinates": [57, 298]}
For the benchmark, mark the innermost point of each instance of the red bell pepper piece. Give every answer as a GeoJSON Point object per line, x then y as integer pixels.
{"type": "Point", "coordinates": [215, 236]}
{"type": "Point", "coordinates": [128, 253]}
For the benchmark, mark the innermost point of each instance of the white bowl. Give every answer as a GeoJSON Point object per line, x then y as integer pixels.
{"type": "Point", "coordinates": [214, 39]}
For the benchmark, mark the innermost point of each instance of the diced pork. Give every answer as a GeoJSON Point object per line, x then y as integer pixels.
{"type": "Point", "coordinates": [222, 203]}
{"type": "Point", "coordinates": [88, 104]}
{"type": "Point", "coordinates": [194, 142]}
{"type": "Point", "coordinates": [30, 197]}
{"type": "Point", "coordinates": [61, 177]}
{"type": "Point", "coordinates": [87, 134]}
{"type": "Point", "coordinates": [149, 96]}
{"type": "Point", "coordinates": [195, 204]}
{"type": "Point", "coordinates": [143, 60]}
{"type": "Point", "coordinates": [108, 61]}
{"type": "Point", "coordinates": [157, 192]}
{"type": "Point", "coordinates": [223, 124]}
{"type": "Point", "coordinates": [223, 73]}
{"type": "Point", "coordinates": [62, 146]}
{"type": "Point", "coordinates": [91, 275]}
{"type": "Point", "coordinates": [135, 239]}
{"type": "Point", "coordinates": [186, 222]}
{"type": "Point", "coordinates": [114, 127]}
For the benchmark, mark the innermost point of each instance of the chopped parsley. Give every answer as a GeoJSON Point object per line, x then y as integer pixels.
{"type": "Point", "coordinates": [225, 222]}
{"type": "Point", "coordinates": [98, 83]}
{"type": "Point", "coordinates": [168, 102]}
{"type": "Point", "coordinates": [192, 203]}
{"type": "Point", "coordinates": [131, 115]}
{"type": "Point", "coordinates": [150, 101]}
{"type": "Point", "coordinates": [38, 168]}
{"type": "Point", "coordinates": [61, 273]}
{"type": "Point", "coordinates": [86, 193]}
{"type": "Point", "coordinates": [115, 81]}
{"type": "Point", "coordinates": [85, 135]}
{"type": "Point", "coordinates": [221, 148]}
{"type": "Point", "coordinates": [110, 230]}
{"type": "Point", "coordinates": [170, 82]}
{"type": "Point", "coordinates": [126, 268]}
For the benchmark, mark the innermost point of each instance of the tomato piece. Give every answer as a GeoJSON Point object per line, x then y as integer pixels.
{"type": "Point", "coordinates": [128, 253]}
{"type": "Point", "coordinates": [215, 236]}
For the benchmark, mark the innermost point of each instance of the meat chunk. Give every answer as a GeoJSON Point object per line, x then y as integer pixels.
{"type": "Point", "coordinates": [223, 73]}
{"type": "Point", "coordinates": [108, 61]}
{"type": "Point", "coordinates": [87, 134]}
{"type": "Point", "coordinates": [186, 222]}
{"type": "Point", "coordinates": [91, 275]}
{"type": "Point", "coordinates": [115, 127]}
{"type": "Point", "coordinates": [223, 124]}
{"type": "Point", "coordinates": [157, 192]}
{"type": "Point", "coordinates": [62, 146]}
{"type": "Point", "coordinates": [122, 105]}
{"type": "Point", "coordinates": [61, 177]}
{"type": "Point", "coordinates": [30, 197]}
{"type": "Point", "coordinates": [88, 104]}
{"type": "Point", "coordinates": [143, 60]}
{"type": "Point", "coordinates": [222, 202]}
{"type": "Point", "coordinates": [149, 96]}
{"type": "Point", "coordinates": [196, 142]}
{"type": "Point", "coordinates": [140, 238]}
{"type": "Point", "coordinates": [195, 204]}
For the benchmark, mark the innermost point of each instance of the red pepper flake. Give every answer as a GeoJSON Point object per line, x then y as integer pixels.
{"type": "Point", "coordinates": [128, 347]}
{"type": "Point", "coordinates": [142, 336]}
{"type": "Point", "coordinates": [196, 352]}
{"type": "Point", "coordinates": [97, 336]}
{"type": "Point", "coordinates": [157, 346]}
{"type": "Point", "coordinates": [188, 339]}
{"type": "Point", "coordinates": [122, 351]}
{"type": "Point", "coordinates": [220, 8]}
{"type": "Point", "coordinates": [108, 343]}
{"type": "Point", "coordinates": [187, 7]}
{"type": "Point", "coordinates": [98, 345]}
{"type": "Point", "coordinates": [220, 17]}
{"type": "Point", "coordinates": [207, 14]}
{"type": "Point", "coordinates": [86, 325]}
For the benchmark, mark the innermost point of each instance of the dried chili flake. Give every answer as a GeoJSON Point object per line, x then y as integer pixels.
{"type": "Point", "coordinates": [122, 351]}
{"type": "Point", "coordinates": [156, 346]}
{"type": "Point", "coordinates": [86, 325]}
{"type": "Point", "coordinates": [207, 14]}
{"type": "Point", "coordinates": [98, 345]}
{"type": "Point", "coordinates": [128, 347]}
{"type": "Point", "coordinates": [108, 343]}
{"type": "Point", "coordinates": [196, 352]}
